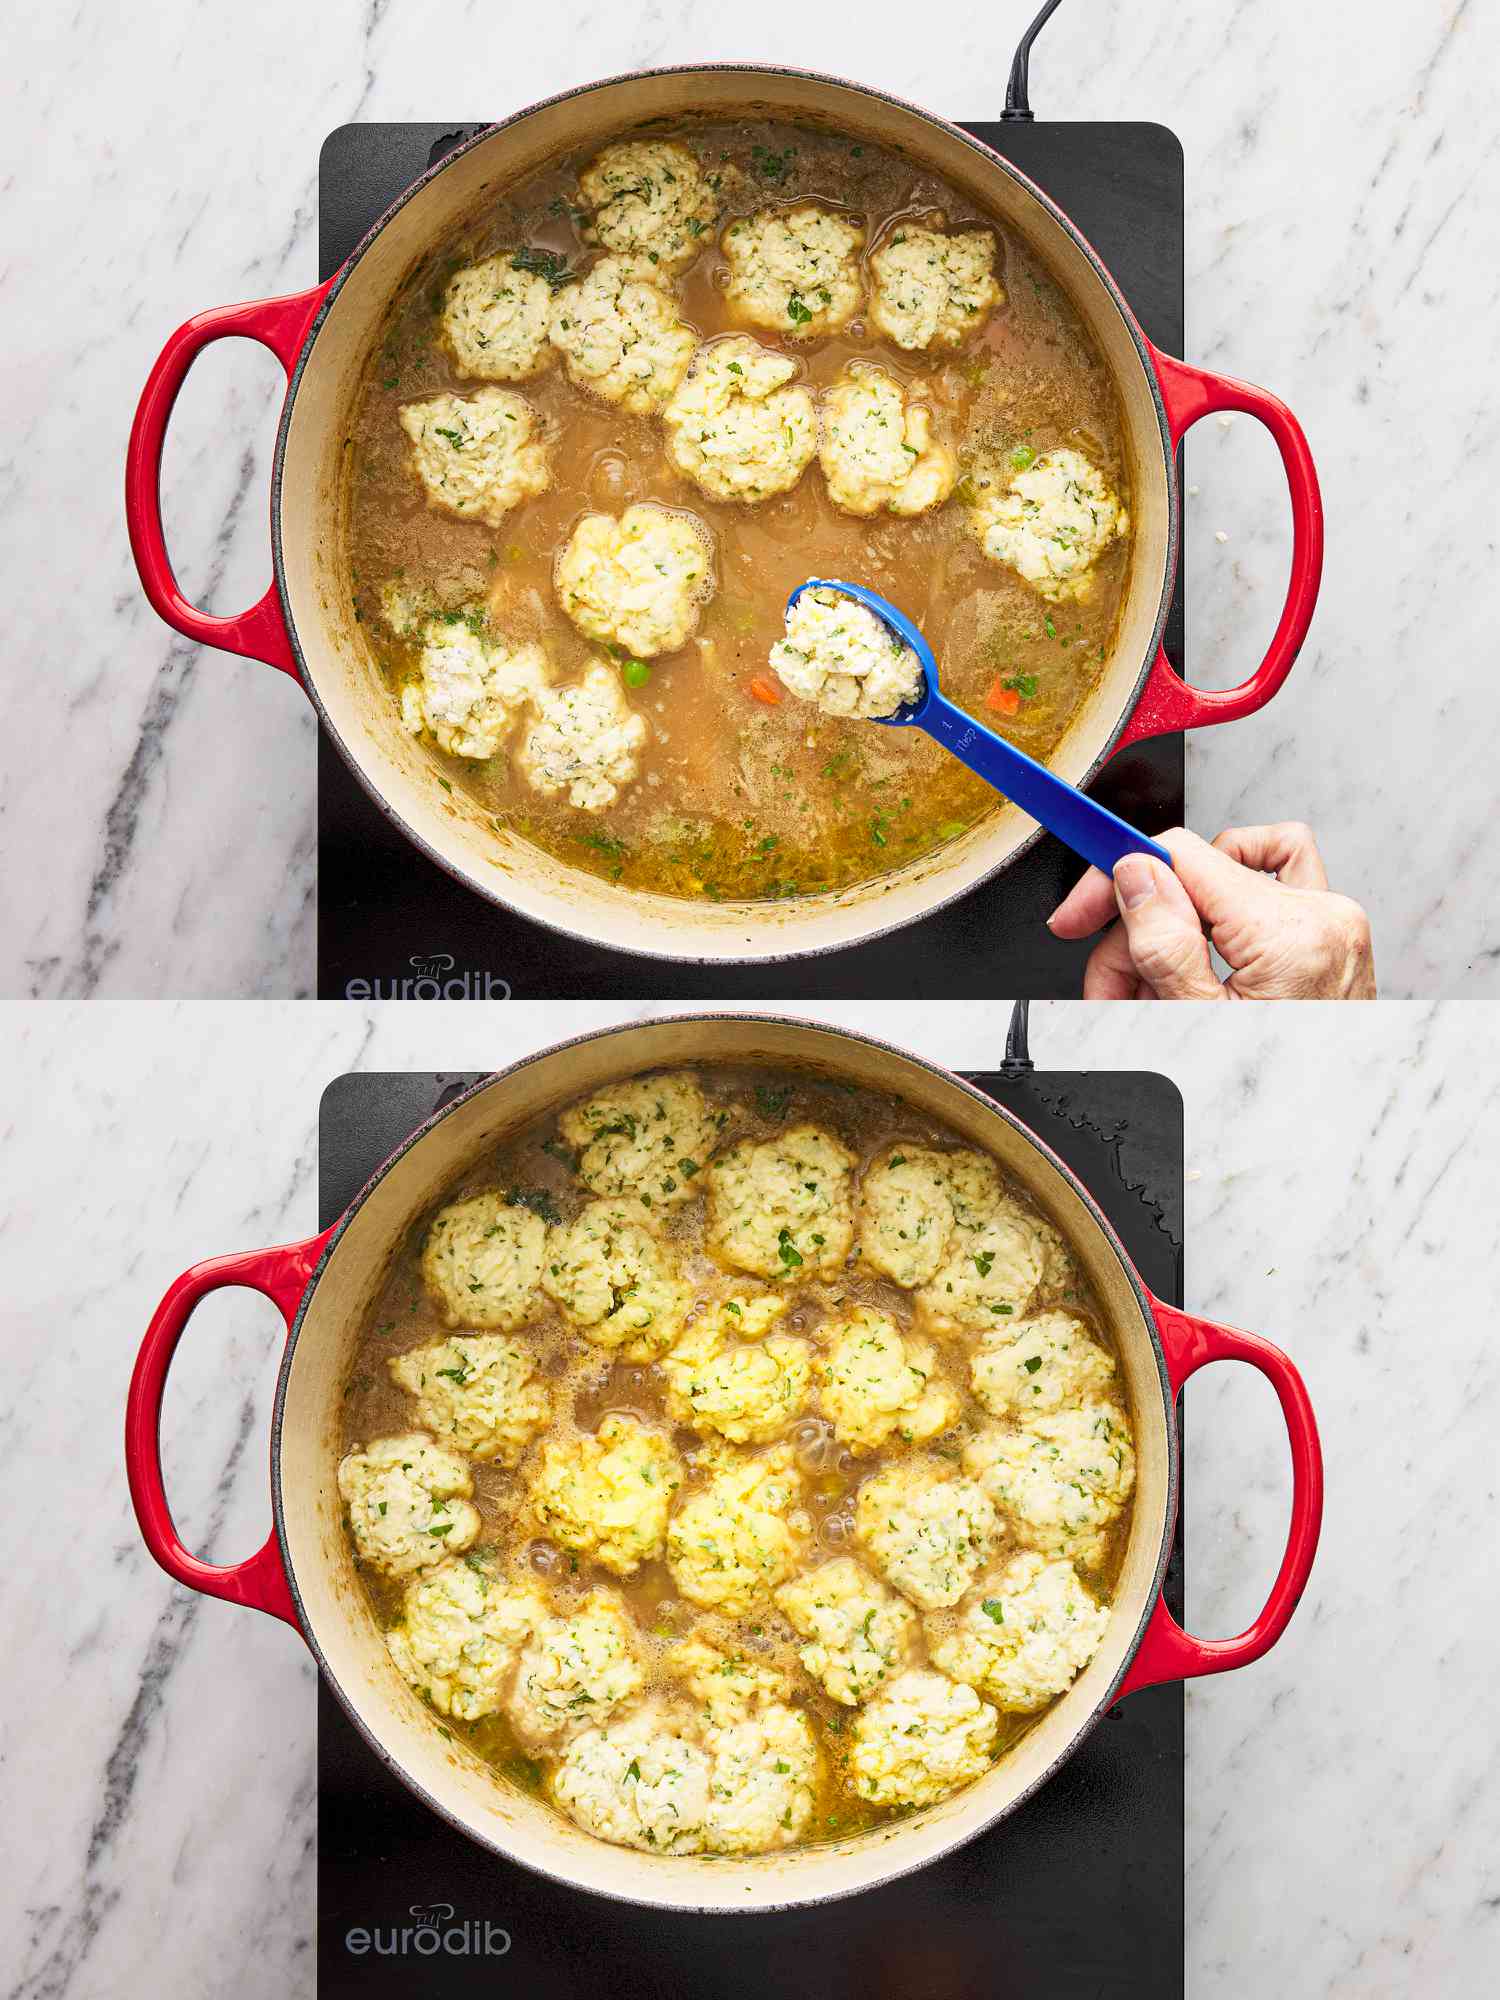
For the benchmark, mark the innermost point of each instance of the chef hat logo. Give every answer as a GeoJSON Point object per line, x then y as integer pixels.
{"type": "Point", "coordinates": [432, 964]}
{"type": "Point", "coordinates": [432, 1914]}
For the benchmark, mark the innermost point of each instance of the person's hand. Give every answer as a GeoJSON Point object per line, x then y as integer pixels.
{"type": "Point", "coordinates": [1259, 893]}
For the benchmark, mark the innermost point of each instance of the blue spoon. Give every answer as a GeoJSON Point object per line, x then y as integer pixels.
{"type": "Point", "coordinates": [1091, 830]}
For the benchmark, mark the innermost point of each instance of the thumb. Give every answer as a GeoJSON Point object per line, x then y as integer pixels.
{"type": "Point", "coordinates": [1163, 930]}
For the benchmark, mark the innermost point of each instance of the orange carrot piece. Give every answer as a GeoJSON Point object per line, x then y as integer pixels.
{"type": "Point", "coordinates": [764, 689]}
{"type": "Point", "coordinates": [1004, 700]}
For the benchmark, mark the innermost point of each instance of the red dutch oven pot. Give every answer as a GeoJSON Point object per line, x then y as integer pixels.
{"type": "Point", "coordinates": [305, 1573]}
{"type": "Point", "coordinates": [305, 623]}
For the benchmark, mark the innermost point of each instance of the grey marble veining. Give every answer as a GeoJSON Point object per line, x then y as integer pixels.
{"type": "Point", "coordinates": [158, 799]}
{"type": "Point", "coordinates": [1344, 1794]}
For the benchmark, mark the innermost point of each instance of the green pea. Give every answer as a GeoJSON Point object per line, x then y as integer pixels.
{"type": "Point", "coordinates": [637, 673]}
{"type": "Point", "coordinates": [1022, 456]}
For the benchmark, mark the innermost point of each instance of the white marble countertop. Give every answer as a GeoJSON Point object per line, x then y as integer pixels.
{"type": "Point", "coordinates": [1343, 1794]}
{"type": "Point", "coordinates": [1336, 161]}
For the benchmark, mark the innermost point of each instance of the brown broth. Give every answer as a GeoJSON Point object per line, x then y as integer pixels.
{"type": "Point", "coordinates": [591, 1384]}
{"type": "Point", "coordinates": [735, 799]}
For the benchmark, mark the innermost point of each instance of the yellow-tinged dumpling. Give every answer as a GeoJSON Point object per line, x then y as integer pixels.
{"type": "Point", "coordinates": [763, 1781]}
{"type": "Point", "coordinates": [482, 1261]}
{"type": "Point", "coordinates": [607, 1496]}
{"type": "Point", "coordinates": [460, 1634]}
{"type": "Point", "coordinates": [615, 1280]}
{"type": "Point", "coordinates": [477, 1392]}
{"type": "Point", "coordinates": [640, 1781]}
{"type": "Point", "coordinates": [928, 1530]}
{"type": "Point", "coordinates": [1040, 1363]}
{"type": "Point", "coordinates": [477, 456]}
{"type": "Point", "coordinates": [584, 740]}
{"type": "Point", "coordinates": [923, 1215]}
{"type": "Point", "coordinates": [748, 1391]}
{"type": "Point", "coordinates": [794, 270]}
{"type": "Point", "coordinates": [1021, 1636]}
{"type": "Point", "coordinates": [741, 1534]}
{"type": "Point", "coordinates": [1050, 519]}
{"type": "Point", "coordinates": [658, 1777]}
{"type": "Point", "coordinates": [495, 319]}
{"type": "Point", "coordinates": [742, 1315]}
{"type": "Point", "coordinates": [620, 337]}
{"type": "Point", "coordinates": [409, 1502]}
{"type": "Point", "coordinates": [932, 289]}
{"type": "Point", "coordinates": [974, 1186]}
{"type": "Point", "coordinates": [574, 1670]}
{"type": "Point", "coordinates": [782, 1207]}
{"type": "Point", "coordinates": [906, 1219]}
{"type": "Point", "coordinates": [651, 204]}
{"type": "Point", "coordinates": [919, 1739]}
{"type": "Point", "coordinates": [727, 1684]}
{"type": "Point", "coordinates": [839, 656]}
{"type": "Point", "coordinates": [990, 1273]}
{"type": "Point", "coordinates": [877, 446]}
{"type": "Point", "coordinates": [639, 582]}
{"type": "Point", "coordinates": [738, 425]}
{"type": "Point", "coordinates": [879, 1387]}
{"type": "Point", "coordinates": [765, 1763]}
{"type": "Point", "coordinates": [649, 1136]}
{"type": "Point", "coordinates": [470, 689]}
{"type": "Point", "coordinates": [858, 1632]}
{"type": "Point", "coordinates": [1061, 1478]}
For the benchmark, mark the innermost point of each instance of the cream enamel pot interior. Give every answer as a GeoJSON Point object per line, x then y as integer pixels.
{"type": "Point", "coordinates": [305, 1574]}
{"type": "Point", "coordinates": [305, 624]}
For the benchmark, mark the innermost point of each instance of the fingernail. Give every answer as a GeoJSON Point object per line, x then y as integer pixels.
{"type": "Point", "coordinates": [1134, 882]}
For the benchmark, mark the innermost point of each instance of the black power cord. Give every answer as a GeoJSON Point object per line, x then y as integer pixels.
{"type": "Point", "coordinates": [1018, 90]}
{"type": "Point", "coordinates": [1017, 1060]}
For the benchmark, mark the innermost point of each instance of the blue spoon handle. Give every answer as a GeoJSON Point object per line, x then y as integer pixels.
{"type": "Point", "coordinates": [1090, 830]}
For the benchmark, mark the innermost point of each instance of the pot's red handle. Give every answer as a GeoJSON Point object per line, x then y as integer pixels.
{"type": "Point", "coordinates": [1166, 1652]}
{"type": "Point", "coordinates": [1168, 703]}
{"type": "Point", "coordinates": [282, 1275]}
{"type": "Point", "coordinates": [279, 324]}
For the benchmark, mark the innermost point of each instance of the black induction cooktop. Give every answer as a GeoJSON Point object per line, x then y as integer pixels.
{"type": "Point", "coordinates": [391, 923]}
{"type": "Point", "coordinates": [1078, 1896]}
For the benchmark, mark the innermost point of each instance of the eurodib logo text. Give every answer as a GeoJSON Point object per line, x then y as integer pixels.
{"type": "Point", "coordinates": [436, 1930]}
{"type": "Point", "coordinates": [434, 976]}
